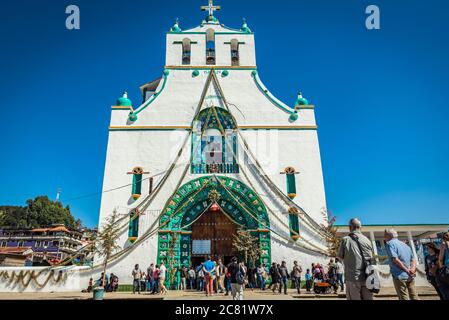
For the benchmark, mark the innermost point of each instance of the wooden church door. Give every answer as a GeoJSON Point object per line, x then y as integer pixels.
{"type": "Point", "coordinates": [216, 227]}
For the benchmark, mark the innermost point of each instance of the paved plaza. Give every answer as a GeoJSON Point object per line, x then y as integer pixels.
{"type": "Point", "coordinates": [426, 293]}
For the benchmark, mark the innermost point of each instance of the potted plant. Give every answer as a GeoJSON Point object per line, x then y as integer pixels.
{"type": "Point", "coordinates": [105, 245]}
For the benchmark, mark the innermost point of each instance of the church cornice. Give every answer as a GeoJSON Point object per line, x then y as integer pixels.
{"type": "Point", "coordinates": [161, 128]}
{"type": "Point", "coordinates": [121, 108]}
{"type": "Point", "coordinates": [208, 67]}
{"type": "Point", "coordinates": [216, 33]}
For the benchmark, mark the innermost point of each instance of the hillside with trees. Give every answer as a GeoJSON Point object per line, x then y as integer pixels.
{"type": "Point", "coordinates": [39, 212]}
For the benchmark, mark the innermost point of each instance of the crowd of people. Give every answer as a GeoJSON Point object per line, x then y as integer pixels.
{"type": "Point", "coordinates": [346, 272]}
{"type": "Point", "coordinates": [110, 283]}
{"type": "Point", "coordinates": [356, 253]}
{"type": "Point", "coordinates": [215, 277]}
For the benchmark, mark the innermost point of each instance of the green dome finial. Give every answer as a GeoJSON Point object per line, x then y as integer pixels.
{"type": "Point", "coordinates": [293, 116]}
{"type": "Point", "coordinates": [211, 19]}
{"type": "Point", "coordinates": [245, 27]}
{"type": "Point", "coordinates": [176, 27]}
{"type": "Point", "coordinates": [123, 101]}
{"type": "Point", "coordinates": [301, 101]}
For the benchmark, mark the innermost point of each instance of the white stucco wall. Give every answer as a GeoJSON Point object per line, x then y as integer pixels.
{"type": "Point", "coordinates": [149, 143]}
{"type": "Point", "coordinates": [222, 49]}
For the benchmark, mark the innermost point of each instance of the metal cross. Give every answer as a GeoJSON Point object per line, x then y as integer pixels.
{"type": "Point", "coordinates": [211, 8]}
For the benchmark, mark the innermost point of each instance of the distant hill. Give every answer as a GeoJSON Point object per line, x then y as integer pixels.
{"type": "Point", "coordinates": [39, 212]}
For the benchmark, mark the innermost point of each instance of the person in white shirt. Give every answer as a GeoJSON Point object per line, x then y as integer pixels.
{"type": "Point", "coordinates": [162, 275]}
{"type": "Point", "coordinates": [137, 275]}
{"type": "Point", "coordinates": [340, 271]}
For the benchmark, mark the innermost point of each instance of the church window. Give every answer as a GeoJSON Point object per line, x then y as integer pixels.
{"type": "Point", "coordinates": [137, 182]}
{"type": "Point", "coordinates": [210, 47]}
{"type": "Point", "coordinates": [133, 228]}
{"type": "Point", "coordinates": [235, 59]}
{"type": "Point", "coordinates": [293, 221]}
{"type": "Point", "coordinates": [291, 182]}
{"type": "Point", "coordinates": [186, 51]}
{"type": "Point", "coordinates": [214, 142]}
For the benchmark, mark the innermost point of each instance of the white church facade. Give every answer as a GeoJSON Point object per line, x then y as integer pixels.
{"type": "Point", "coordinates": [211, 151]}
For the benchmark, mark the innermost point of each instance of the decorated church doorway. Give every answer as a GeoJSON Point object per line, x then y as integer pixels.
{"type": "Point", "coordinates": [213, 234]}
{"type": "Point", "coordinates": [202, 217]}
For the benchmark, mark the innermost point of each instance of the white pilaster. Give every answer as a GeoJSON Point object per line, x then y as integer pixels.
{"type": "Point", "coordinates": [373, 243]}
{"type": "Point", "coordinates": [412, 245]}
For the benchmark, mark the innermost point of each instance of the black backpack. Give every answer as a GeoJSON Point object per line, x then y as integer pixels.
{"type": "Point", "coordinates": [240, 276]}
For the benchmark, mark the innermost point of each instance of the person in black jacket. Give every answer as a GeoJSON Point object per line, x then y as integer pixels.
{"type": "Point", "coordinates": [237, 272]}
{"type": "Point", "coordinates": [431, 267]}
{"type": "Point", "coordinates": [275, 277]}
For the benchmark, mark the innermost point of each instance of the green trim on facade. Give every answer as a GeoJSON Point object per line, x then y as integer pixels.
{"type": "Point", "coordinates": [121, 108]}
{"type": "Point", "coordinates": [293, 116]}
{"type": "Point", "coordinates": [156, 94]}
{"type": "Point", "coordinates": [137, 184]}
{"type": "Point", "coordinates": [293, 221]}
{"type": "Point", "coordinates": [267, 94]}
{"type": "Point", "coordinates": [133, 228]}
{"type": "Point", "coordinates": [130, 128]}
{"type": "Point", "coordinates": [209, 68]}
{"type": "Point", "coordinates": [291, 185]}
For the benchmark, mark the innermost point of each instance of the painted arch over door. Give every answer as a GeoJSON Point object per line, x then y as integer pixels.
{"type": "Point", "coordinates": [239, 202]}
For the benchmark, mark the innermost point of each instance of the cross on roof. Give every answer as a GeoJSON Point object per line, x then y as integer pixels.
{"type": "Point", "coordinates": [211, 8]}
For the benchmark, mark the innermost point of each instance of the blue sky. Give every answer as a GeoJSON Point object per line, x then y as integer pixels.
{"type": "Point", "coordinates": [381, 96]}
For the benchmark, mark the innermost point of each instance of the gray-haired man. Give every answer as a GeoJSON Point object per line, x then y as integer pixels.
{"type": "Point", "coordinates": [402, 266]}
{"type": "Point", "coordinates": [351, 256]}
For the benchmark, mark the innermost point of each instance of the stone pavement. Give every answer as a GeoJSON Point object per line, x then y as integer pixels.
{"type": "Point", "coordinates": [426, 293]}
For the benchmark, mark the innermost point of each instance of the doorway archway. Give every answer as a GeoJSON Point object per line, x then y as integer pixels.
{"type": "Point", "coordinates": [239, 203]}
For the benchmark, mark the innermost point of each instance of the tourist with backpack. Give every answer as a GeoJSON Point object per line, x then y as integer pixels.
{"type": "Point", "coordinates": [355, 250]}
{"type": "Point", "coordinates": [238, 273]}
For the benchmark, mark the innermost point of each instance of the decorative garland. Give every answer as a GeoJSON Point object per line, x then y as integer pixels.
{"type": "Point", "coordinates": [149, 231]}
{"type": "Point", "coordinates": [318, 249]}
{"type": "Point", "coordinates": [312, 223]}
{"type": "Point", "coordinates": [19, 278]}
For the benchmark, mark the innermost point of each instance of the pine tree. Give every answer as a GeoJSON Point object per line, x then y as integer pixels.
{"type": "Point", "coordinates": [247, 246]}
{"type": "Point", "coordinates": [332, 239]}
{"type": "Point", "coordinates": [106, 241]}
